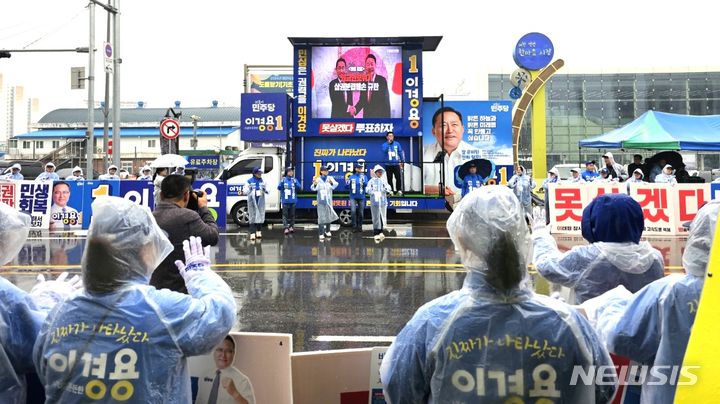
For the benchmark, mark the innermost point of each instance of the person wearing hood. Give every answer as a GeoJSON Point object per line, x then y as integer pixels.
{"type": "Point", "coordinates": [121, 339]}
{"type": "Point", "coordinates": [356, 185]}
{"type": "Point", "coordinates": [378, 189]}
{"type": "Point", "coordinates": [637, 178]}
{"type": "Point", "coordinates": [288, 187]}
{"type": "Point", "coordinates": [590, 172]}
{"type": "Point", "coordinates": [575, 177]}
{"type": "Point", "coordinates": [49, 174]}
{"type": "Point", "coordinates": [613, 224]}
{"type": "Point", "coordinates": [667, 176]}
{"type": "Point", "coordinates": [605, 176]}
{"type": "Point", "coordinates": [255, 189]}
{"type": "Point", "coordinates": [14, 173]}
{"type": "Point", "coordinates": [653, 326]}
{"type": "Point", "coordinates": [146, 174]}
{"type": "Point", "coordinates": [77, 175]}
{"type": "Point", "coordinates": [324, 185]}
{"type": "Point", "coordinates": [21, 313]}
{"type": "Point", "coordinates": [464, 346]}
{"type": "Point", "coordinates": [471, 180]}
{"type": "Point", "coordinates": [615, 169]}
{"type": "Point", "coordinates": [522, 185]}
{"type": "Point", "coordinates": [111, 174]}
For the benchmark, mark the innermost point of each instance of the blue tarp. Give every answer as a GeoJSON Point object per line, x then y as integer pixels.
{"type": "Point", "coordinates": [662, 131]}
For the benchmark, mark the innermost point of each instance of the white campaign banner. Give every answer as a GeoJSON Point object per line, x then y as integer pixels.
{"type": "Point", "coordinates": [665, 207]}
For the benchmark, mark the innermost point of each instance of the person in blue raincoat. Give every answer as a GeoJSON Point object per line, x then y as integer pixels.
{"type": "Point", "coordinates": [552, 178]}
{"type": "Point", "coordinates": [522, 185]}
{"type": "Point", "coordinates": [494, 340]}
{"type": "Point", "coordinates": [471, 180]}
{"type": "Point", "coordinates": [288, 187]}
{"type": "Point", "coordinates": [21, 313]}
{"type": "Point", "coordinates": [49, 174]}
{"type": "Point", "coordinates": [255, 190]}
{"type": "Point", "coordinates": [378, 190]}
{"type": "Point", "coordinates": [613, 224]}
{"type": "Point", "coordinates": [146, 174]}
{"type": "Point", "coordinates": [591, 172]}
{"type": "Point", "coordinates": [667, 176]}
{"type": "Point", "coordinates": [77, 175]}
{"type": "Point", "coordinates": [121, 339]}
{"type": "Point", "coordinates": [356, 185]}
{"type": "Point", "coordinates": [13, 173]}
{"type": "Point", "coordinates": [653, 326]}
{"type": "Point", "coordinates": [324, 185]}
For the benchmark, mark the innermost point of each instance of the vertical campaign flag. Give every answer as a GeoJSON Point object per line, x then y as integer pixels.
{"type": "Point", "coordinates": [215, 191]}
{"type": "Point", "coordinates": [94, 189]}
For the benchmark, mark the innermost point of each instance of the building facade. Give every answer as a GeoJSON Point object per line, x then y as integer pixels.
{"type": "Point", "coordinates": [580, 106]}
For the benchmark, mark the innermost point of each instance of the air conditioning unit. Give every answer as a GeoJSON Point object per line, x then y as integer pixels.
{"type": "Point", "coordinates": [99, 150]}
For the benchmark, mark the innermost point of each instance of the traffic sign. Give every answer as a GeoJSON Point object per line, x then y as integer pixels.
{"type": "Point", "coordinates": [108, 54]}
{"type": "Point", "coordinates": [169, 129]}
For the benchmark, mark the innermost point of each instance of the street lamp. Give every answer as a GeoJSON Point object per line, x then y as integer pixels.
{"type": "Point", "coordinates": [195, 120]}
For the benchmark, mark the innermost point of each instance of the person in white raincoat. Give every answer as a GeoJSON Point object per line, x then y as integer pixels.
{"type": "Point", "coordinates": [377, 189]}
{"type": "Point", "coordinates": [255, 190]}
{"type": "Point", "coordinates": [324, 185]}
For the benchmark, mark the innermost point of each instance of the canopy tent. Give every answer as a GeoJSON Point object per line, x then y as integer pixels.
{"type": "Point", "coordinates": [662, 131]}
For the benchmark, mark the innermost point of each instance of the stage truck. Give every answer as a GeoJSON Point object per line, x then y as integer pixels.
{"type": "Point", "coordinates": [347, 94]}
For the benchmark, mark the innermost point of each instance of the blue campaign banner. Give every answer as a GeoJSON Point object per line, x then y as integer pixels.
{"type": "Point", "coordinates": [393, 203]}
{"type": "Point", "coordinates": [485, 131]}
{"type": "Point", "coordinates": [263, 117]}
{"type": "Point", "coordinates": [341, 155]}
{"type": "Point", "coordinates": [92, 190]}
{"type": "Point", "coordinates": [533, 51]}
{"type": "Point", "coordinates": [138, 192]}
{"type": "Point", "coordinates": [66, 212]}
{"type": "Point", "coordinates": [357, 90]}
{"type": "Point", "coordinates": [715, 190]}
{"type": "Point", "coordinates": [216, 197]}
{"type": "Point", "coordinates": [208, 162]}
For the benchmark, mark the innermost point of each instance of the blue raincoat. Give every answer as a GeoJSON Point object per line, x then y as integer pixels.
{"type": "Point", "coordinates": [522, 186]}
{"type": "Point", "coordinates": [494, 340]}
{"type": "Point", "coordinates": [288, 187]}
{"type": "Point", "coordinates": [121, 339]}
{"type": "Point", "coordinates": [655, 326]}
{"type": "Point", "coordinates": [324, 187]}
{"type": "Point", "coordinates": [613, 223]}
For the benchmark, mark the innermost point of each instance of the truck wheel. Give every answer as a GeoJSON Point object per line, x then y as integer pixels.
{"type": "Point", "coordinates": [345, 218]}
{"type": "Point", "coordinates": [240, 214]}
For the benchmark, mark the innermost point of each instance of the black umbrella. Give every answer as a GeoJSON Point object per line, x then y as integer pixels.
{"type": "Point", "coordinates": [485, 168]}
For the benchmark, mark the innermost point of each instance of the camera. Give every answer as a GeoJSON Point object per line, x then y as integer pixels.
{"type": "Point", "coordinates": [195, 194]}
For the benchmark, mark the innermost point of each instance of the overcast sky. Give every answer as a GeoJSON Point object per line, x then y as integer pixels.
{"type": "Point", "coordinates": [194, 51]}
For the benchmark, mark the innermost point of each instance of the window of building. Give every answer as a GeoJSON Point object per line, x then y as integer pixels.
{"type": "Point", "coordinates": [26, 144]}
{"type": "Point", "coordinates": [151, 143]}
{"type": "Point", "coordinates": [13, 143]}
{"type": "Point", "coordinates": [55, 144]}
{"type": "Point", "coordinates": [39, 144]}
{"type": "Point", "coordinates": [126, 165]}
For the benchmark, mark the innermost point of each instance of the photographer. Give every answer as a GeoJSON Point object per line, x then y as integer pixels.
{"type": "Point", "coordinates": [181, 212]}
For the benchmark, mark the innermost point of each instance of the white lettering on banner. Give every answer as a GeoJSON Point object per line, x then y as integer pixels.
{"type": "Point", "coordinates": [503, 384]}
{"type": "Point", "coordinates": [138, 199]}
{"type": "Point", "coordinates": [665, 207]}
{"type": "Point", "coordinates": [210, 191]}
{"type": "Point", "coordinates": [633, 375]}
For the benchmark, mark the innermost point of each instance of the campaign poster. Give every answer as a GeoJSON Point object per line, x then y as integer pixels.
{"type": "Point", "coordinates": [138, 192]}
{"type": "Point", "coordinates": [254, 366]}
{"type": "Point", "coordinates": [216, 199]}
{"type": "Point", "coordinates": [33, 199]}
{"type": "Point", "coordinates": [92, 190]}
{"type": "Point", "coordinates": [658, 206]}
{"type": "Point", "coordinates": [270, 83]}
{"type": "Point", "coordinates": [357, 90]}
{"type": "Point", "coordinates": [342, 154]}
{"type": "Point", "coordinates": [376, 388]}
{"type": "Point", "coordinates": [482, 130]}
{"type": "Point", "coordinates": [356, 82]}
{"type": "Point", "coordinates": [263, 117]}
{"type": "Point", "coordinates": [689, 198]}
{"type": "Point", "coordinates": [67, 206]}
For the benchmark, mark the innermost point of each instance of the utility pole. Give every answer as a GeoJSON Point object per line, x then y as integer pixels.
{"type": "Point", "coordinates": [116, 81]}
{"type": "Point", "coordinates": [89, 147]}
